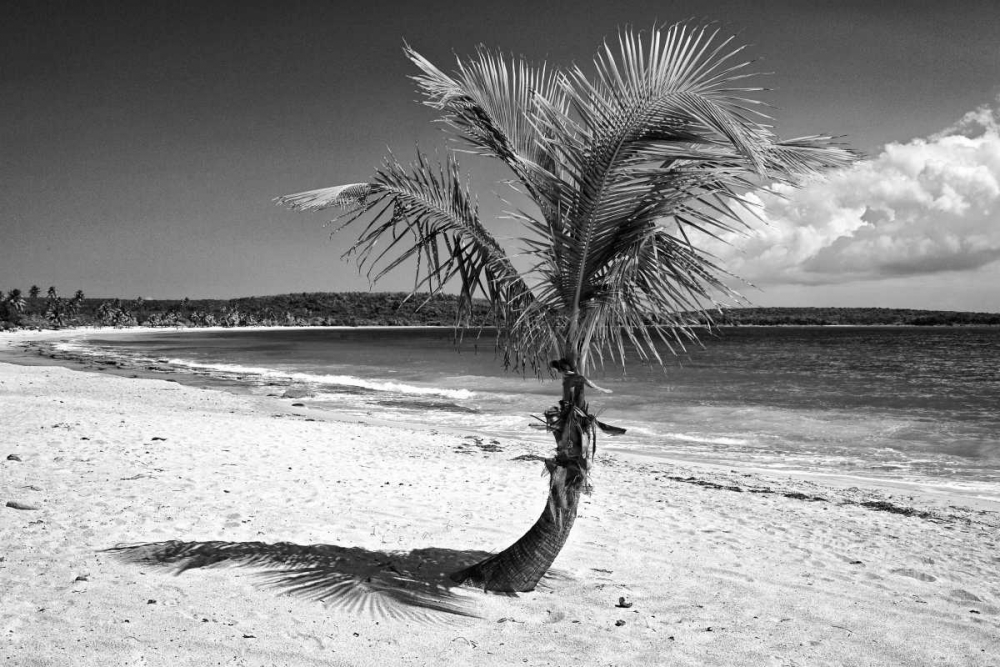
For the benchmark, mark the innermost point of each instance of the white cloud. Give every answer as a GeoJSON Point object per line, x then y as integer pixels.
{"type": "Point", "coordinates": [927, 206]}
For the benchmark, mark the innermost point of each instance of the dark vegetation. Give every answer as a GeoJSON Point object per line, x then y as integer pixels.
{"type": "Point", "coordinates": [853, 317]}
{"type": "Point", "coordinates": [384, 309]}
{"type": "Point", "coordinates": [300, 309]}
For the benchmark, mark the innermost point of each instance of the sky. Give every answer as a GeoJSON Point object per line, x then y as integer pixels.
{"type": "Point", "coordinates": [142, 144]}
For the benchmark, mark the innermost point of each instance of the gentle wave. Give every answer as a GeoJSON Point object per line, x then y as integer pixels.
{"type": "Point", "coordinates": [74, 347]}
{"type": "Point", "coordinates": [328, 380]}
{"type": "Point", "coordinates": [708, 440]}
{"type": "Point", "coordinates": [272, 374]}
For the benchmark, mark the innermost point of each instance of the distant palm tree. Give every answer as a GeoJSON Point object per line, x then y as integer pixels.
{"type": "Point", "coordinates": [55, 312]}
{"type": "Point", "coordinates": [16, 301]}
{"type": "Point", "coordinates": [33, 292]}
{"type": "Point", "coordinates": [623, 166]}
{"type": "Point", "coordinates": [106, 312]}
{"type": "Point", "coordinates": [76, 302]}
{"type": "Point", "coordinates": [11, 306]}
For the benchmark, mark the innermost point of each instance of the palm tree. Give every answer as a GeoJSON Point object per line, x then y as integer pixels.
{"type": "Point", "coordinates": [55, 313]}
{"type": "Point", "coordinates": [16, 301]}
{"type": "Point", "coordinates": [105, 312]}
{"type": "Point", "coordinates": [76, 302]}
{"type": "Point", "coordinates": [11, 306]}
{"type": "Point", "coordinates": [624, 166]}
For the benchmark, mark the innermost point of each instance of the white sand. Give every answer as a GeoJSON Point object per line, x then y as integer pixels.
{"type": "Point", "coordinates": [715, 576]}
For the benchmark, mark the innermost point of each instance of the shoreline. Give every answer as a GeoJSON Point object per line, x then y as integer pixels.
{"type": "Point", "coordinates": [937, 493]}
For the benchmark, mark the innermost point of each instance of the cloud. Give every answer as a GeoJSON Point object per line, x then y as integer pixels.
{"type": "Point", "coordinates": [927, 206]}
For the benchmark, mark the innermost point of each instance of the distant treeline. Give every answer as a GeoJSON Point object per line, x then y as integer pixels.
{"type": "Point", "coordinates": [35, 310]}
{"type": "Point", "coordinates": [853, 317]}
{"type": "Point", "coordinates": [300, 309]}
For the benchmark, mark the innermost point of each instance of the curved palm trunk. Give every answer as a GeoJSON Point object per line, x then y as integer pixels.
{"type": "Point", "coordinates": [519, 567]}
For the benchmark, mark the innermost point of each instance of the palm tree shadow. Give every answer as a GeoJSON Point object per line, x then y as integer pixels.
{"type": "Point", "coordinates": [403, 585]}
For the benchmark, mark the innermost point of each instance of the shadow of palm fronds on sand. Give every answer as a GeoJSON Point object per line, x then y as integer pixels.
{"type": "Point", "coordinates": [403, 585]}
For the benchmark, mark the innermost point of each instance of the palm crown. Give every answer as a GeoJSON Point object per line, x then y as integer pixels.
{"type": "Point", "coordinates": [662, 140]}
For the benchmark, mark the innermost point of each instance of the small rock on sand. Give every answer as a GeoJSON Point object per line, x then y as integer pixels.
{"type": "Point", "coordinates": [13, 504]}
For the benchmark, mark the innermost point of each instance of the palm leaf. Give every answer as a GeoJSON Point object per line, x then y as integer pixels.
{"type": "Point", "coordinates": [496, 106]}
{"type": "Point", "coordinates": [663, 138]}
{"type": "Point", "coordinates": [426, 214]}
{"type": "Point", "coordinates": [665, 133]}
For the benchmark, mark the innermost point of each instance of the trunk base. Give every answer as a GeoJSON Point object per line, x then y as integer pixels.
{"type": "Point", "coordinates": [519, 567]}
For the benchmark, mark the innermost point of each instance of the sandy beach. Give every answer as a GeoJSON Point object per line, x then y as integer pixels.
{"type": "Point", "coordinates": [150, 523]}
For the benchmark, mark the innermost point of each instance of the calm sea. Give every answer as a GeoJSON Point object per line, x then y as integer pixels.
{"type": "Point", "coordinates": [897, 403]}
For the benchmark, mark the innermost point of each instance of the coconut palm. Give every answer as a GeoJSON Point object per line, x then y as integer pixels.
{"type": "Point", "coordinates": [11, 306]}
{"type": "Point", "coordinates": [56, 313]}
{"type": "Point", "coordinates": [33, 292]}
{"type": "Point", "coordinates": [625, 167]}
{"type": "Point", "coordinates": [16, 301]}
{"type": "Point", "coordinates": [105, 312]}
{"type": "Point", "coordinates": [76, 302]}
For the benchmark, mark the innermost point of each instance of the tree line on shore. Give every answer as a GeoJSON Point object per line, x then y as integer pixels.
{"type": "Point", "coordinates": [853, 317]}
{"type": "Point", "coordinates": [52, 311]}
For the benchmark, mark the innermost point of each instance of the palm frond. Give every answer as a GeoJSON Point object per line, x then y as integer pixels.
{"type": "Point", "coordinates": [495, 105]}
{"type": "Point", "coordinates": [427, 215]}
{"type": "Point", "coordinates": [806, 156]}
{"type": "Point", "coordinates": [661, 93]}
{"type": "Point", "coordinates": [664, 137]}
{"type": "Point", "coordinates": [665, 132]}
{"type": "Point", "coordinates": [343, 196]}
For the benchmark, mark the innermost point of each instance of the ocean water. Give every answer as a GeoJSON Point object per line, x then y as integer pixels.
{"type": "Point", "coordinates": [915, 405]}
